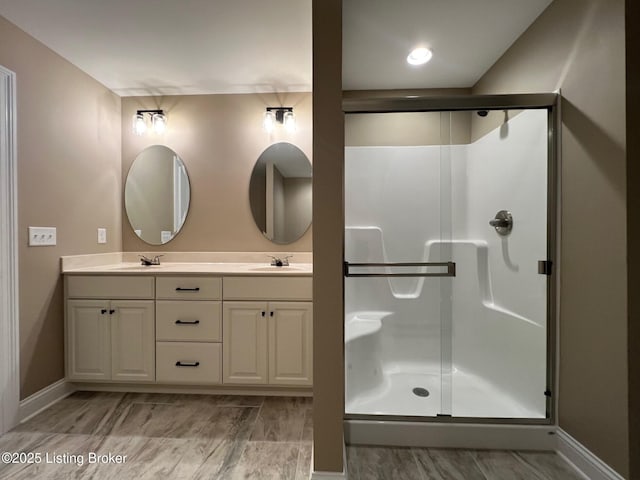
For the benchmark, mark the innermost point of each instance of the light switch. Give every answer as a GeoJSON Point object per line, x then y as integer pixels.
{"type": "Point", "coordinates": [102, 235]}
{"type": "Point", "coordinates": [42, 236]}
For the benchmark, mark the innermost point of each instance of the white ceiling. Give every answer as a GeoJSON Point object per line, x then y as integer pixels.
{"type": "Point", "coordinates": [465, 36]}
{"type": "Point", "coordinates": [172, 47]}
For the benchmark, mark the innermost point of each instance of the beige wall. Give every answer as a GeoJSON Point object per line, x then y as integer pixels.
{"type": "Point", "coordinates": [219, 138]}
{"type": "Point", "coordinates": [578, 46]}
{"type": "Point", "coordinates": [68, 177]}
{"type": "Point", "coordinates": [632, 14]}
{"type": "Point", "coordinates": [407, 128]}
{"type": "Point", "coordinates": [328, 236]}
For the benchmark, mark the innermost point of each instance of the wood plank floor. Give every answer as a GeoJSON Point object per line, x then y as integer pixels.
{"type": "Point", "coordinates": [166, 436]}
{"type": "Point", "coordinates": [173, 436]}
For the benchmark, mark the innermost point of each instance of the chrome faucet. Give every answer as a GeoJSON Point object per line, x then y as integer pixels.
{"type": "Point", "coordinates": [280, 262]}
{"type": "Point", "coordinates": [150, 261]}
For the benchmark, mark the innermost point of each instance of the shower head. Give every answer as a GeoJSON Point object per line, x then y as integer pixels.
{"type": "Point", "coordinates": [482, 113]}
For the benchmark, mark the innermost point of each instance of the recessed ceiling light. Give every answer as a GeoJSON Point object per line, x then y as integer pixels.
{"type": "Point", "coordinates": [419, 55]}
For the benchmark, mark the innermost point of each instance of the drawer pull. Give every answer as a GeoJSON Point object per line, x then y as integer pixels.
{"type": "Point", "coordinates": [186, 322]}
{"type": "Point", "coordinates": [180, 289]}
{"type": "Point", "coordinates": [187, 364]}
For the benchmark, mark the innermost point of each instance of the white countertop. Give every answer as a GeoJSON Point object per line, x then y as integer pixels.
{"type": "Point", "coordinates": [173, 268]}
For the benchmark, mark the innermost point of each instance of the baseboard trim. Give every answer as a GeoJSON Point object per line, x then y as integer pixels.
{"type": "Point", "coordinates": [193, 389]}
{"type": "Point", "coordinates": [42, 399]}
{"type": "Point", "coordinates": [327, 475]}
{"type": "Point", "coordinates": [583, 460]}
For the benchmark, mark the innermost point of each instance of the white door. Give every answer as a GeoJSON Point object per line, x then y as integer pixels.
{"type": "Point", "coordinates": [290, 343]}
{"type": "Point", "coordinates": [244, 333]}
{"type": "Point", "coordinates": [9, 366]}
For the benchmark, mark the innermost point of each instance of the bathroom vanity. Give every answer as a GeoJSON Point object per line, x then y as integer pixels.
{"type": "Point", "coordinates": [237, 325]}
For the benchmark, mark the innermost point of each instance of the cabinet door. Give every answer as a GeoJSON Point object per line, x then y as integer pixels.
{"type": "Point", "coordinates": [132, 341]}
{"type": "Point", "coordinates": [88, 340]}
{"type": "Point", "coordinates": [290, 343]}
{"type": "Point", "coordinates": [244, 333]}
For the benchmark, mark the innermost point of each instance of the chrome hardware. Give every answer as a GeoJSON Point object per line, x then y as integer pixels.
{"type": "Point", "coordinates": [280, 262]}
{"type": "Point", "coordinates": [503, 222]}
{"type": "Point", "coordinates": [150, 261]}
{"type": "Point", "coordinates": [451, 269]}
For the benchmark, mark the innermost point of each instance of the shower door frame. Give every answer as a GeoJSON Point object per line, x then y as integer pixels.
{"type": "Point", "coordinates": [524, 101]}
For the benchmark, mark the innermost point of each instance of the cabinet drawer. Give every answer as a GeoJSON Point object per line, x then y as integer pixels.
{"type": "Point", "coordinates": [87, 286]}
{"type": "Point", "coordinates": [189, 288]}
{"type": "Point", "coordinates": [268, 288]}
{"type": "Point", "coordinates": [192, 363]}
{"type": "Point", "coordinates": [177, 320]}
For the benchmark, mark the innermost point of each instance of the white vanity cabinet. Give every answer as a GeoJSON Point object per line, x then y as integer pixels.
{"type": "Point", "coordinates": [189, 330]}
{"type": "Point", "coordinates": [267, 331]}
{"type": "Point", "coordinates": [110, 329]}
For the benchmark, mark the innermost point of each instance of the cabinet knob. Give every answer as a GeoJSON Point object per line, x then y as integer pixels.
{"type": "Point", "coordinates": [263, 313]}
{"type": "Point", "coordinates": [271, 314]}
{"type": "Point", "coordinates": [103, 311]}
{"type": "Point", "coordinates": [111, 312]}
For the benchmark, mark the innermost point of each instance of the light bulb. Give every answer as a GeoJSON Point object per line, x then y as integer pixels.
{"type": "Point", "coordinates": [139, 125]}
{"type": "Point", "coordinates": [159, 121]}
{"type": "Point", "coordinates": [269, 121]}
{"type": "Point", "coordinates": [419, 55]}
{"type": "Point", "coordinates": [289, 122]}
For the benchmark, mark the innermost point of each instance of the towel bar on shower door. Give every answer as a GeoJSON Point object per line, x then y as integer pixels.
{"type": "Point", "coordinates": [451, 269]}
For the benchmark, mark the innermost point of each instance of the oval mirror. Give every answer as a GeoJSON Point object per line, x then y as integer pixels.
{"type": "Point", "coordinates": [156, 194]}
{"type": "Point", "coordinates": [280, 193]}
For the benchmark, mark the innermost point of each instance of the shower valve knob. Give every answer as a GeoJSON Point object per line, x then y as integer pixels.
{"type": "Point", "coordinates": [503, 222]}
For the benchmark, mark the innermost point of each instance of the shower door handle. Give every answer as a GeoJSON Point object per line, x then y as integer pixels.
{"type": "Point", "coordinates": [451, 269]}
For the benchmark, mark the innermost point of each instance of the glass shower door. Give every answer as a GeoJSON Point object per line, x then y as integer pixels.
{"type": "Point", "coordinates": [499, 299]}
{"type": "Point", "coordinates": [397, 202]}
{"type": "Point", "coordinates": [445, 232]}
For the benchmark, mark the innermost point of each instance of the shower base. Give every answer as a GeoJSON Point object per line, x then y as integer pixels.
{"type": "Point", "coordinates": [471, 396]}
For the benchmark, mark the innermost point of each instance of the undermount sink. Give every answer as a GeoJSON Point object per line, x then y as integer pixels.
{"type": "Point", "coordinates": [273, 268]}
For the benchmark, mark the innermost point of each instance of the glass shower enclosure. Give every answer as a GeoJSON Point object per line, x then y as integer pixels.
{"type": "Point", "coordinates": [449, 244]}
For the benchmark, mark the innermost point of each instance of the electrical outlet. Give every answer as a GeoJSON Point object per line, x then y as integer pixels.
{"type": "Point", "coordinates": [102, 235]}
{"type": "Point", "coordinates": [42, 236]}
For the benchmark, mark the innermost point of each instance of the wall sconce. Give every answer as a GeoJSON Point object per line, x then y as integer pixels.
{"type": "Point", "coordinates": [158, 121]}
{"type": "Point", "coordinates": [281, 115]}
